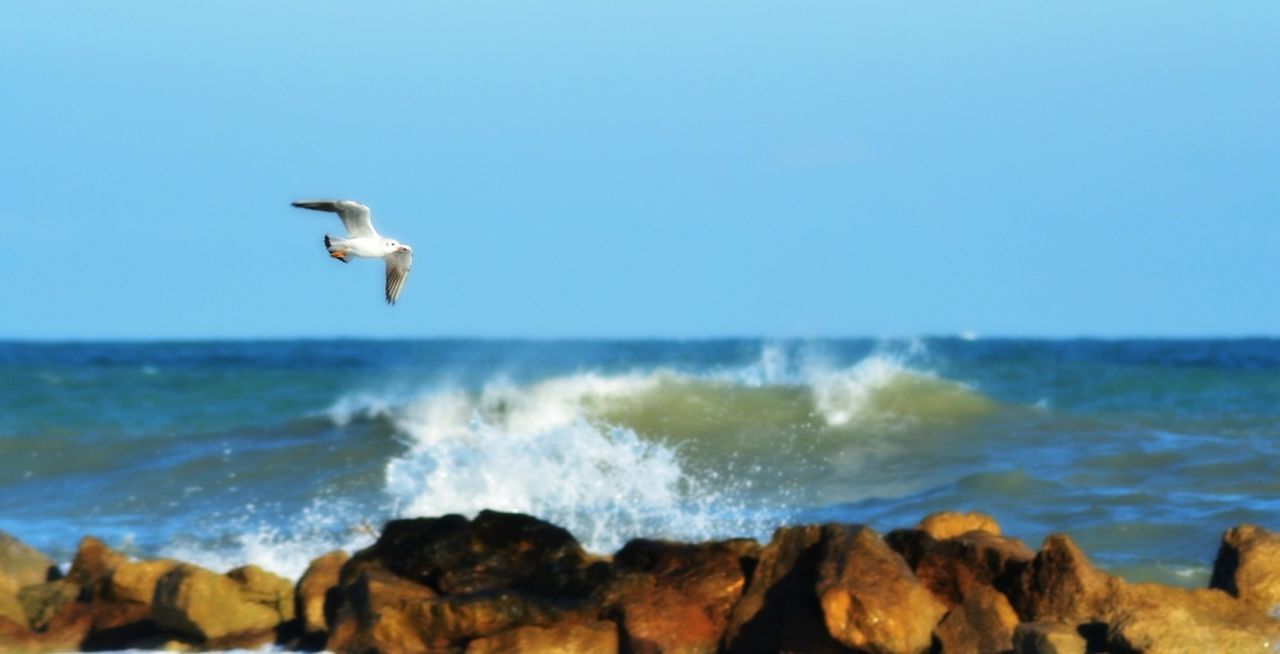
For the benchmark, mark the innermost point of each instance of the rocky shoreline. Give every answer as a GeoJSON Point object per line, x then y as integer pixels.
{"type": "Point", "coordinates": [511, 583]}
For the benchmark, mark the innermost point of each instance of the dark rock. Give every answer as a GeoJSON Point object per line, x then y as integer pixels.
{"type": "Point", "coordinates": [1248, 566]}
{"type": "Point", "coordinates": [869, 597]}
{"type": "Point", "coordinates": [954, 567]}
{"type": "Point", "coordinates": [495, 551]}
{"type": "Point", "coordinates": [779, 610]}
{"type": "Point", "coordinates": [1061, 585]}
{"type": "Point", "coordinates": [982, 624]}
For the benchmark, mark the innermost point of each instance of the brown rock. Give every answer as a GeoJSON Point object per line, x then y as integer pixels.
{"type": "Point", "coordinates": [674, 597]}
{"type": "Point", "coordinates": [952, 568]}
{"type": "Point", "coordinates": [202, 604]}
{"type": "Point", "coordinates": [370, 614]}
{"type": "Point", "coordinates": [42, 602]}
{"type": "Point", "coordinates": [135, 581]}
{"type": "Point", "coordinates": [779, 609]}
{"type": "Point", "coordinates": [1047, 638]}
{"type": "Point", "coordinates": [982, 624]}
{"type": "Point", "coordinates": [1154, 618]}
{"type": "Point", "coordinates": [949, 524]}
{"type": "Point", "coordinates": [23, 564]}
{"type": "Point", "coordinates": [10, 608]}
{"type": "Point", "coordinates": [1248, 566]}
{"type": "Point", "coordinates": [262, 587]}
{"type": "Point", "coordinates": [314, 587]}
{"type": "Point", "coordinates": [870, 599]}
{"type": "Point", "coordinates": [93, 562]}
{"type": "Point", "coordinates": [594, 637]}
{"type": "Point", "coordinates": [1061, 585]}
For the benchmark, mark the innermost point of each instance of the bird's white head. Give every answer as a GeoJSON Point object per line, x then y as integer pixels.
{"type": "Point", "coordinates": [393, 245]}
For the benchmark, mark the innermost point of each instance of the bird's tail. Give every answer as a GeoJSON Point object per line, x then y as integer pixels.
{"type": "Point", "coordinates": [334, 246]}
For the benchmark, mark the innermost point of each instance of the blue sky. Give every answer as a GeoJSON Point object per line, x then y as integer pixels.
{"type": "Point", "coordinates": [642, 169]}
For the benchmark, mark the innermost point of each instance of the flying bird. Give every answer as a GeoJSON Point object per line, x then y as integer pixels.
{"type": "Point", "coordinates": [364, 241]}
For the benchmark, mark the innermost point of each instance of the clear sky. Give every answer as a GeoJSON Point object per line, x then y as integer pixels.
{"type": "Point", "coordinates": [642, 169]}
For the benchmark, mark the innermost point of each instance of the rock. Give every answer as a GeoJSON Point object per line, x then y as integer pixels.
{"type": "Point", "coordinates": [869, 597]}
{"type": "Point", "coordinates": [1154, 618]}
{"type": "Point", "coordinates": [1061, 585]}
{"type": "Point", "coordinates": [495, 551]}
{"type": "Point", "coordinates": [594, 637]}
{"type": "Point", "coordinates": [93, 562]}
{"type": "Point", "coordinates": [982, 624]}
{"type": "Point", "coordinates": [135, 581]}
{"type": "Point", "coordinates": [371, 609]}
{"type": "Point", "coordinates": [1248, 566]}
{"type": "Point", "coordinates": [951, 569]}
{"type": "Point", "coordinates": [675, 597]}
{"type": "Point", "coordinates": [42, 602]}
{"type": "Point", "coordinates": [11, 609]}
{"type": "Point", "coordinates": [15, 637]}
{"type": "Point", "coordinates": [262, 587]}
{"type": "Point", "coordinates": [23, 564]}
{"type": "Point", "coordinates": [205, 605]}
{"type": "Point", "coordinates": [949, 524]}
{"type": "Point", "coordinates": [1047, 638]}
{"type": "Point", "coordinates": [314, 587]}
{"type": "Point", "coordinates": [779, 610]}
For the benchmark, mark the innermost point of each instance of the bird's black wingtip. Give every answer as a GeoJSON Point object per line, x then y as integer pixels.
{"type": "Point", "coordinates": [326, 239]}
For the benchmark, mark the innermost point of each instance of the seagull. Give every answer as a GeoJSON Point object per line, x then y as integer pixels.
{"type": "Point", "coordinates": [364, 241]}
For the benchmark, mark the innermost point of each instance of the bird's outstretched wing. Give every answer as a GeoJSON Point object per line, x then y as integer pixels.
{"type": "Point", "coordinates": [355, 216]}
{"type": "Point", "coordinates": [398, 265]}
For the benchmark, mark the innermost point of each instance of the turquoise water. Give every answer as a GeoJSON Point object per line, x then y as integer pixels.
{"type": "Point", "coordinates": [274, 452]}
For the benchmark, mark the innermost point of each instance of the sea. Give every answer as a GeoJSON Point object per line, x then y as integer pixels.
{"type": "Point", "coordinates": [274, 452]}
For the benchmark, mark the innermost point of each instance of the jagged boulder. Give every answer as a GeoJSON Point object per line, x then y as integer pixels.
{"type": "Point", "coordinates": [265, 588]}
{"type": "Point", "coordinates": [1061, 585]}
{"type": "Point", "coordinates": [135, 581]}
{"type": "Point", "coordinates": [315, 586]}
{"type": "Point", "coordinates": [982, 624]}
{"type": "Point", "coordinates": [779, 610]}
{"type": "Point", "coordinates": [953, 568]}
{"type": "Point", "coordinates": [676, 597]}
{"type": "Point", "coordinates": [870, 598]}
{"type": "Point", "coordinates": [202, 604]}
{"type": "Point", "coordinates": [1154, 618]}
{"type": "Point", "coordinates": [1248, 566]}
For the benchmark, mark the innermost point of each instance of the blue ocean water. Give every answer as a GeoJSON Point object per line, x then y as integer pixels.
{"type": "Point", "coordinates": [274, 452]}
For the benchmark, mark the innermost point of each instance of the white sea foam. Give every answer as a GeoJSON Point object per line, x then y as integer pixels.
{"type": "Point", "coordinates": [545, 449]}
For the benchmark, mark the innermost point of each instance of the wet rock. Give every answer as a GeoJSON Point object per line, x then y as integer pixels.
{"type": "Point", "coordinates": [453, 555]}
{"type": "Point", "coordinates": [951, 569]}
{"type": "Point", "coordinates": [23, 564]}
{"type": "Point", "coordinates": [1061, 585]}
{"type": "Point", "coordinates": [676, 597]}
{"type": "Point", "coordinates": [1047, 638]}
{"type": "Point", "coordinates": [208, 606]}
{"type": "Point", "coordinates": [779, 610]}
{"type": "Point", "coordinates": [982, 624]}
{"type": "Point", "coordinates": [1248, 566]}
{"type": "Point", "coordinates": [949, 524]}
{"type": "Point", "coordinates": [315, 587]}
{"type": "Point", "coordinates": [593, 637]}
{"type": "Point", "coordinates": [1153, 618]}
{"type": "Point", "coordinates": [870, 599]}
